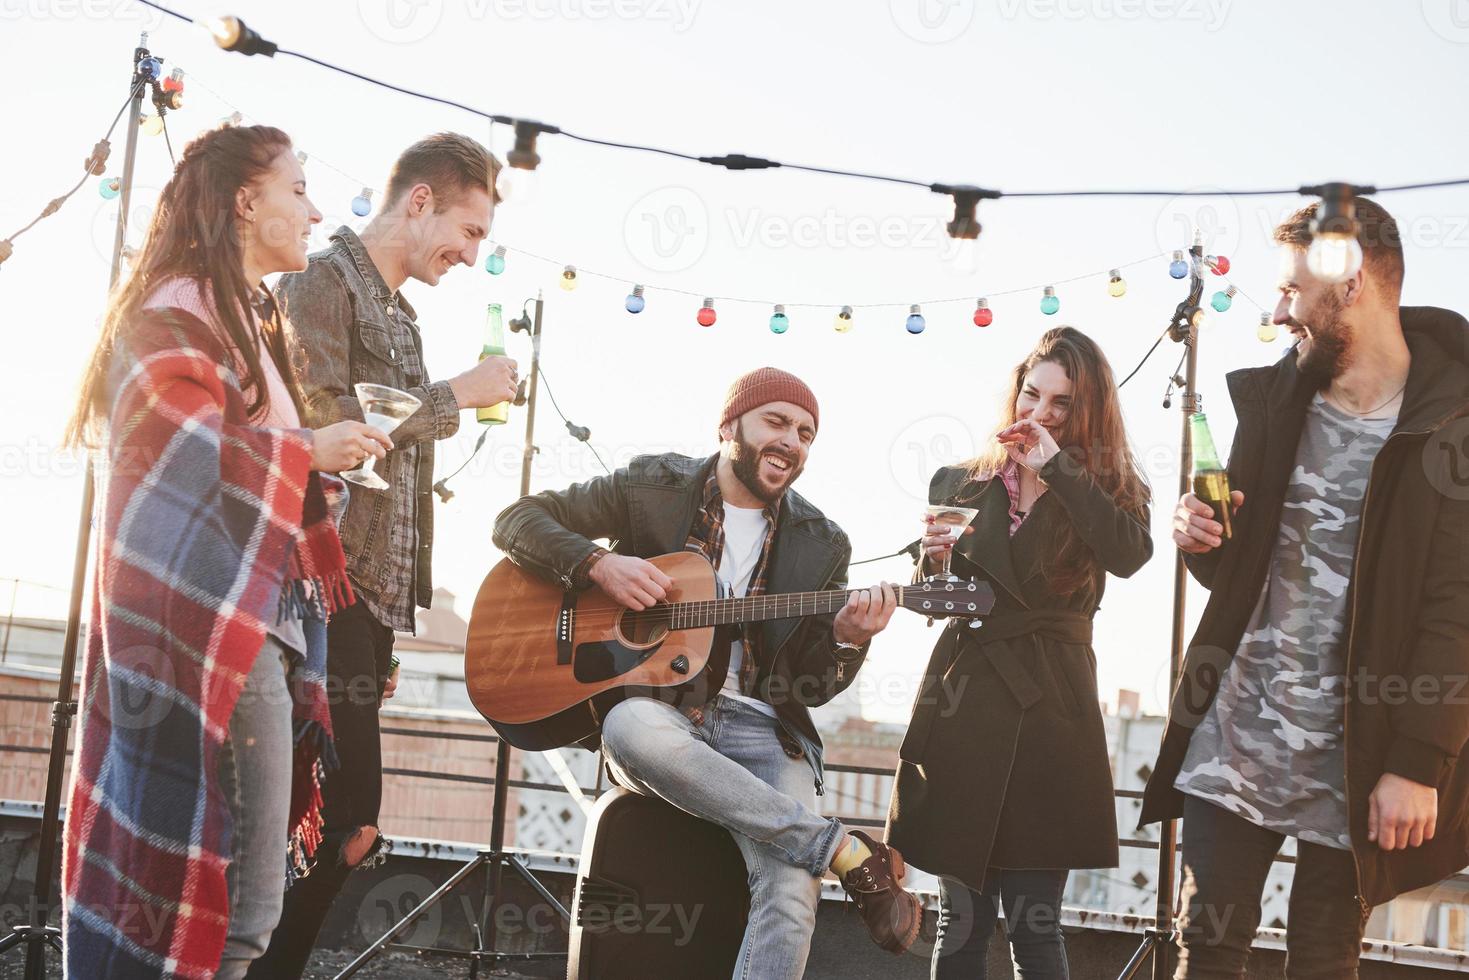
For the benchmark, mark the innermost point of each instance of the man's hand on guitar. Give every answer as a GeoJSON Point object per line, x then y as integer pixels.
{"type": "Point", "coordinates": [864, 616]}
{"type": "Point", "coordinates": [632, 582]}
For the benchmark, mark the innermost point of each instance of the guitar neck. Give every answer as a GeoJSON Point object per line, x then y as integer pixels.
{"type": "Point", "coordinates": [758, 608]}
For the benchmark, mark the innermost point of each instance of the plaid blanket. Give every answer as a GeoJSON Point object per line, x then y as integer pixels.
{"type": "Point", "coordinates": [201, 515]}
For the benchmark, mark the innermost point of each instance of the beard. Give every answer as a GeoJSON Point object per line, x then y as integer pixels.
{"type": "Point", "coordinates": [744, 460]}
{"type": "Point", "coordinates": [1331, 343]}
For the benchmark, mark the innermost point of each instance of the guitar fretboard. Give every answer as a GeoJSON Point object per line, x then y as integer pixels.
{"type": "Point", "coordinates": [757, 608]}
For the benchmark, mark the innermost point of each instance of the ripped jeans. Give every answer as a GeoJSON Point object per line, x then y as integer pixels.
{"type": "Point", "coordinates": [358, 651]}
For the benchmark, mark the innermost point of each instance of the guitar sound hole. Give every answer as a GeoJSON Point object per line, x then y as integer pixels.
{"type": "Point", "coordinates": [645, 628]}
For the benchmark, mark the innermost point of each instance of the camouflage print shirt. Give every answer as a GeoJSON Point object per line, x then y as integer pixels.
{"type": "Point", "coordinates": [1270, 748]}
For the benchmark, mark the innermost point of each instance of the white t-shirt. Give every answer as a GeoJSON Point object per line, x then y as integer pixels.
{"type": "Point", "coordinates": [744, 537]}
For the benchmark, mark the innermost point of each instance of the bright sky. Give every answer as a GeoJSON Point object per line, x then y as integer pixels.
{"type": "Point", "coordinates": [1016, 94]}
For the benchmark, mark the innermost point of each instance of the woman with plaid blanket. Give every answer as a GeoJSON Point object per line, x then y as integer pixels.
{"type": "Point", "coordinates": [204, 722]}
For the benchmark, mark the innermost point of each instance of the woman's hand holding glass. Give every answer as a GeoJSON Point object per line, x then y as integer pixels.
{"type": "Point", "coordinates": [343, 445]}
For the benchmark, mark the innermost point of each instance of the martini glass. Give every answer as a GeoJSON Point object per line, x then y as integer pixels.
{"type": "Point", "coordinates": [382, 408]}
{"type": "Point", "coordinates": [953, 520]}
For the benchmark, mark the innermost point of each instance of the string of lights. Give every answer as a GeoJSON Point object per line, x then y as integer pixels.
{"type": "Point", "coordinates": [1335, 232]}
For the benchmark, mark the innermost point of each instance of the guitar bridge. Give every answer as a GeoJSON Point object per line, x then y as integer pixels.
{"type": "Point", "coordinates": [565, 627]}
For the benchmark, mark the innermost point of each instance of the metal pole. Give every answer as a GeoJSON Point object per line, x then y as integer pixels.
{"type": "Point", "coordinates": [503, 750]}
{"type": "Point", "coordinates": [65, 707]}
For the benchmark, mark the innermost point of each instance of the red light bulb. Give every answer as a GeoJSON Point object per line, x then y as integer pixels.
{"type": "Point", "coordinates": [706, 314]}
{"type": "Point", "coordinates": [1220, 265]}
{"type": "Point", "coordinates": [983, 315]}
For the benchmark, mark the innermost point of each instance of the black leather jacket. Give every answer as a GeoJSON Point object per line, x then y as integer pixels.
{"type": "Point", "coordinates": [645, 510]}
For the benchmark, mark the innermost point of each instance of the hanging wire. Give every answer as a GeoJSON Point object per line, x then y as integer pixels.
{"type": "Point", "coordinates": [742, 162]}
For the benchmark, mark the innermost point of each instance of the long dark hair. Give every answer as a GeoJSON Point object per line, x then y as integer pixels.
{"type": "Point", "coordinates": [194, 234]}
{"type": "Point", "coordinates": [1093, 434]}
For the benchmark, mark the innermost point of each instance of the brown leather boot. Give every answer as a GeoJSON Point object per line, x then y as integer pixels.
{"type": "Point", "coordinates": [893, 916]}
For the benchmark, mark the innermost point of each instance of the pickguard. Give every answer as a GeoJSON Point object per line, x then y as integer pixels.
{"type": "Point", "coordinates": [606, 659]}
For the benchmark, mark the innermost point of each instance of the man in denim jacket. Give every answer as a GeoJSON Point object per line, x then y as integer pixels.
{"type": "Point", "coordinates": [352, 325]}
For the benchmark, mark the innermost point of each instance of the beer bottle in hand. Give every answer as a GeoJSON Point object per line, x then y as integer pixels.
{"type": "Point", "coordinates": [494, 346]}
{"type": "Point", "coordinates": [1211, 482]}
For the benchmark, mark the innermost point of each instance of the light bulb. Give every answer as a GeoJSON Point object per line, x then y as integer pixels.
{"type": "Point", "coordinates": [568, 278]}
{"type": "Point", "coordinates": [844, 320]}
{"type": "Point", "coordinates": [233, 119]}
{"type": "Point", "coordinates": [707, 316]}
{"type": "Point", "coordinates": [362, 203]}
{"type": "Point", "coordinates": [1115, 285]}
{"type": "Point", "coordinates": [1178, 268]}
{"type": "Point", "coordinates": [495, 261]}
{"type": "Point", "coordinates": [779, 322]}
{"type": "Point", "coordinates": [152, 125]}
{"type": "Point", "coordinates": [1200, 318]}
{"type": "Point", "coordinates": [301, 157]}
{"type": "Point", "coordinates": [635, 302]}
{"type": "Point", "coordinates": [150, 67]}
{"type": "Point", "coordinates": [175, 81]}
{"type": "Point", "coordinates": [109, 188]}
{"type": "Point", "coordinates": [1218, 263]}
{"type": "Point", "coordinates": [1223, 299]}
{"type": "Point", "coordinates": [983, 315]}
{"type": "Point", "coordinates": [1333, 257]}
{"type": "Point", "coordinates": [1050, 302]}
{"type": "Point", "coordinates": [916, 323]}
{"type": "Point", "coordinates": [1266, 331]}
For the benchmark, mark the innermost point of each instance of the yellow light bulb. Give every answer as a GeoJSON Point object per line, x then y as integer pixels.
{"type": "Point", "coordinates": [152, 125]}
{"type": "Point", "coordinates": [1116, 286]}
{"type": "Point", "coordinates": [844, 320]}
{"type": "Point", "coordinates": [1266, 331]}
{"type": "Point", "coordinates": [568, 278]}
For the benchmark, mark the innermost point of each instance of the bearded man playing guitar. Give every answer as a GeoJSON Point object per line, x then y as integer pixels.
{"type": "Point", "coordinates": [736, 746]}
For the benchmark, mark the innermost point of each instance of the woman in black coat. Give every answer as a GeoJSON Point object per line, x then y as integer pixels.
{"type": "Point", "coordinates": [1004, 782]}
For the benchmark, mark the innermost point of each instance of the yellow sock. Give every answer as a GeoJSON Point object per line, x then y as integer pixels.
{"type": "Point", "coordinates": [850, 854]}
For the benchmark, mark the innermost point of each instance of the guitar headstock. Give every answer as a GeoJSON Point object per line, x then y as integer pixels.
{"type": "Point", "coordinates": [939, 598]}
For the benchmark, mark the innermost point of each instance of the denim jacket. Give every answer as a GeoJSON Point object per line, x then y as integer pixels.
{"type": "Point", "coordinates": [346, 324]}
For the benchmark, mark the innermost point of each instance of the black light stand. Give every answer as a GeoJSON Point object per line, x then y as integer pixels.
{"type": "Point", "coordinates": [1184, 329]}
{"type": "Point", "coordinates": [494, 859]}
{"type": "Point", "coordinates": [39, 933]}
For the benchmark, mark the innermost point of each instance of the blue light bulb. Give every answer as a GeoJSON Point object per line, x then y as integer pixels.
{"type": "Point", "coordinates": [150, 67]}
{"type": "Point", "coordinates": [916, 323]}
{"type": "Point", "coordinates": [495, 261]}
{"type": "Point", "coordinates": [1178, 268]}
{"type": "Point", "coordinates": [362, 203]}
{"type": "Point", "coordinates": [1050, 302]}
{"type": "Point", "coordinates": [779, 322]}
{"type": "Point", "coordinates": [635, 302]}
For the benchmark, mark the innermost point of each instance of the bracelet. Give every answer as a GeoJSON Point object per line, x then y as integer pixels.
{"type": "Point", "coordinates": [393, 664]}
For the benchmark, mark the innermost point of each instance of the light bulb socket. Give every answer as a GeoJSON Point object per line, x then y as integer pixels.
{"type": "Point", "coordinates": [1049, 291]}
{"type": "Point", "coordinates": [233, 34]}
{"type": "Point", "coordinates": [523, 155]}
{"type": "Point", "coordinates": [637, 291]}
{"type": "Point", "coordinates": [983, 304]}
{"type": "Point", "coordinates": [1336, 215]}
{"type": "Point", "coordinates": [965, 223]}
{"type": "Point", "coordinates": [845, 313]}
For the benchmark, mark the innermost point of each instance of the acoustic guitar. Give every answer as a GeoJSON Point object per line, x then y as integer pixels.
{"type": "Point", "coordinates": [537, 655]}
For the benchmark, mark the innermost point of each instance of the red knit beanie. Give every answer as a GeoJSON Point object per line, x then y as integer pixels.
{"type": "Point", "coordinates": [765, 385]}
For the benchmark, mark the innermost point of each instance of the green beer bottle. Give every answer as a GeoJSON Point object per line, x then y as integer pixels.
{"type": "Point", "coordinates": [1211, 482]}
{"type": "Point", "coordinates": [494, 346]}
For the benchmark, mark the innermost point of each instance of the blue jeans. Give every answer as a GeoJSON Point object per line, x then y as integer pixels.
{"type": "Point", "coordinates": [1031, 901]}
{"type": "Point", "coordinates": [255, 773]}
{"type": "Point", "coordinates": [730, 770]}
